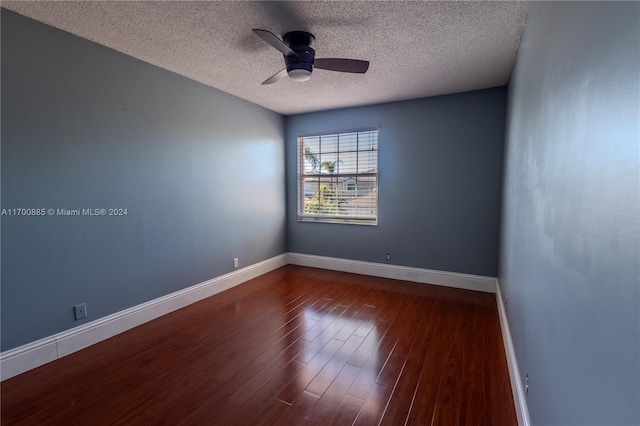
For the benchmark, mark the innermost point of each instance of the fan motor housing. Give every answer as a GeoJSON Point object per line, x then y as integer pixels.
{"type": "Point", "coordinates": [300, 42]}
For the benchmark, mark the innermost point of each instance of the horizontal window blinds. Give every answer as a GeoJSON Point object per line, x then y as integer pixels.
{"type": "Point", "coordinates": [338, 177]}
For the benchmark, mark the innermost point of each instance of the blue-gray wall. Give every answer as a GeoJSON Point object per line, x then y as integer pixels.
{"type": "Point", "coordinates": [570, 258]}
{"type": "Point", "coordinates": [440, 169]}
{"type": "Point", "coordinates": [200, 172]}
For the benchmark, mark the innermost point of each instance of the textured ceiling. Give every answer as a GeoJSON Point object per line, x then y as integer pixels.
{"type": "Point", "coordinates": [416, 49]}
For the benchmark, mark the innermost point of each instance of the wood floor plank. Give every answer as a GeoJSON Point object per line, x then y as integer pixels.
{"type": "Point", "coordinates": [306, 375]}
{"type": "Point", "coordinates": [437, 355]}
{"type": "Point", "coordinates": [472, 403]}
{"type": "Point", "coordinates": [294, 346]}
{"type": "Point", "coordinates": [374, 405]}
{"type": "Point", "coordinates": [253, 397]}
{"type": "Point", "coordinates": [410, 315]}
{"type": "Point", "coordinates": [330, 400]}
{"type": "Point", "coordinates": [371, 369]}
{"type": "Point", "coordinates": [298, 412]}
{"type": "Point", "coordinates": [403, 397]}
{"type": "Point", "coordinates": [335, 366]}
{"type": "Point", "coordinates": [497, 395]}
{"type": "Point", "coordinates": [270, 415]}
{"type": "Point", "coordinates": [347, 411]}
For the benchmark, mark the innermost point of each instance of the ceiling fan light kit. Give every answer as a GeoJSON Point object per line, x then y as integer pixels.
{"type": "Point", "coordinates": [299, 74]}
{"type": "Point", "coordinates": [300, 60]}
{"type": "Point", "coordinates": [300, 66]}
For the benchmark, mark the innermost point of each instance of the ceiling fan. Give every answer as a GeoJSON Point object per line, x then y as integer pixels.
{"type": "Point", "coordinates": [300, 58]}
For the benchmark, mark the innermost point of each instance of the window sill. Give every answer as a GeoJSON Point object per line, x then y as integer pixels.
{"type": "Point", "coordinates": [341, 221]}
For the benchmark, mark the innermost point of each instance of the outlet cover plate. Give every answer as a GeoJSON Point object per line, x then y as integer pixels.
{"type": "Point", "coordinates": [80, 311]}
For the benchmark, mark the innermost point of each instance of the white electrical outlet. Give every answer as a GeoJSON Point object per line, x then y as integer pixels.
{"type": "Point", "coordinates": [235, 262]}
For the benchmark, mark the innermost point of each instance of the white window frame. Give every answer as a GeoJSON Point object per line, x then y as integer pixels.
{"type": "Point", "coordinates": [350, 185]}
{"type": "Point", "coordinates": [371, 175]}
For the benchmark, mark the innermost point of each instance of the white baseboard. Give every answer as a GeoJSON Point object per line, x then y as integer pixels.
{"type": "Point", "coordinates": [522, 412]}
{"type": "Point", "coordinates": [426, 276]}
{"type": "Point", "coordinates": [27, 357]}
{"type": "Point", "coordinates": [35, 354]}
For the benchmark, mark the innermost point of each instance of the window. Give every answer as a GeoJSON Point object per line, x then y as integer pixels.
{"type": "Point", "coordinates": [338, 177]}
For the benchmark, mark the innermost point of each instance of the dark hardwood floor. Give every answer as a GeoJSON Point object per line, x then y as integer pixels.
{"type": "Point", "coordinates": [294, 346]}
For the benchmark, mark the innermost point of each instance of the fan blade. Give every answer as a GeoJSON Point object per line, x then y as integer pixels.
{"type": "Point", "coordinates": [274, 41]}
{"type": "Point", "coordinates": [277, 76]}
{"type": "Point", "coordinates": [342, 65]}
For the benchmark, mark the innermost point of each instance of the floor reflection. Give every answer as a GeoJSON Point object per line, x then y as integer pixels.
{"type": "Point", "coordinates": [341, 353]}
